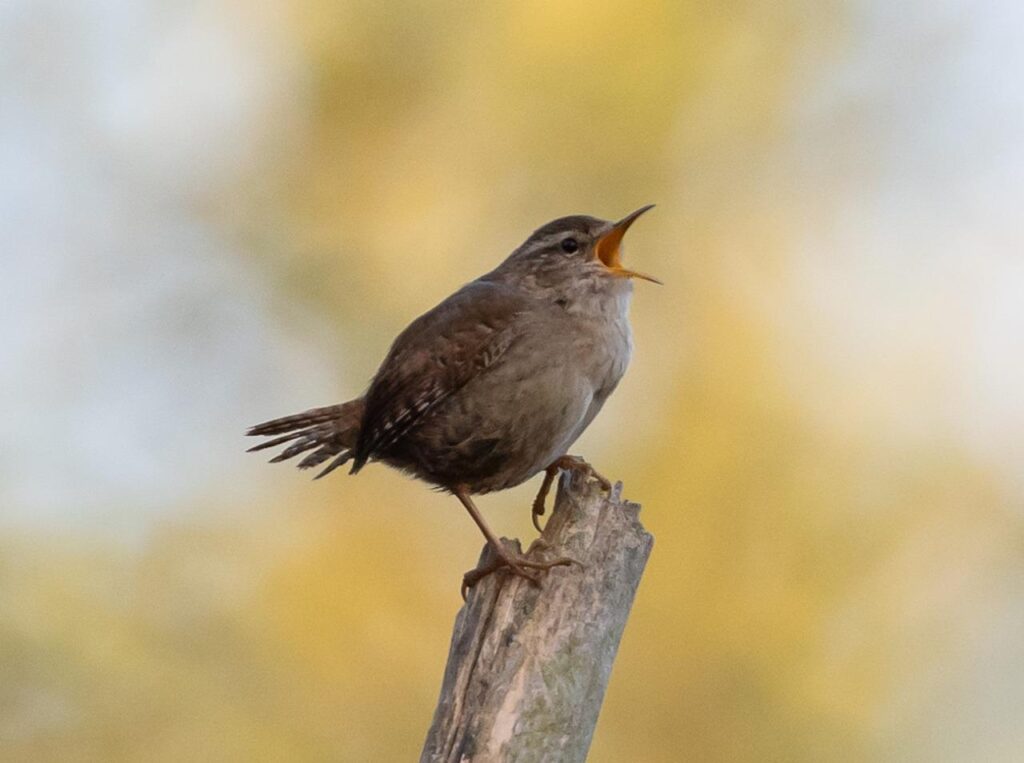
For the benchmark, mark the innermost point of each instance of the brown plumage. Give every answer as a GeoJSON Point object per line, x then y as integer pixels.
{"type": "Point", "coordinates": [333, 430]}
{"type": "Point", "coordinates": [494, 384]}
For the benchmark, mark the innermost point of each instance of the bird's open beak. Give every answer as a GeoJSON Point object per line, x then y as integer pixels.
{"type": "Point", "coordinates": [607, 248]}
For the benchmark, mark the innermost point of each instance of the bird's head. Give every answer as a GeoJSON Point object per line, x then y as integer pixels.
{"type": "Point", "coordinates": [576, 248]}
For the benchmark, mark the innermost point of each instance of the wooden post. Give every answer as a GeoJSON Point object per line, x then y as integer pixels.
{"type": "Point", "coordinates": [528, 667]}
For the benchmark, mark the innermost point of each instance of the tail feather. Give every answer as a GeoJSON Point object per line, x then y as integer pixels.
{"type": "Point", "coordinates": [302, 420]}
{"type": "Point", "coordinates": [343, 458]}
{"type": "Point", "coordinates": [272, 443]}
{"type": "Point", "coordinates": [295, 449]}
{"type": "Point", "coordinates": [332, 431]}
{"type": "Point", "coordinates": [315, 458]}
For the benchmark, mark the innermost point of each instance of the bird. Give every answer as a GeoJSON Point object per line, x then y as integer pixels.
{"type": "Point", "coordinates": [494, 384]}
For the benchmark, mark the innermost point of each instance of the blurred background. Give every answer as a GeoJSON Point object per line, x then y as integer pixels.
{"type": "Point", "coordinates": [215, 213]}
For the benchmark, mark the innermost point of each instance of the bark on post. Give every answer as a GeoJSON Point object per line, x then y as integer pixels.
{"type": "Point", "coordinates": [528, 667]}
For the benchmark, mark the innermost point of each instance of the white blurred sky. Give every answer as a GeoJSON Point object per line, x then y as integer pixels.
{"type": "Point", "coordinates": [916, 138]}
{"type": "Point", "coordinates": [135, 342]}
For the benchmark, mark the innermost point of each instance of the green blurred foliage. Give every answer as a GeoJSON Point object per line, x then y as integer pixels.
{"type": "Point", "coordinates": [806, 596]}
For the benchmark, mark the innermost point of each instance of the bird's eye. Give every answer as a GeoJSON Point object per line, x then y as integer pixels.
{"type": "Point", "coordinates": [570, 245]}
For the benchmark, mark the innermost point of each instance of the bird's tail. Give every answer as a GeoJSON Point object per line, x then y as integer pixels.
{"type": "Point", "coordinates": [332, 431]}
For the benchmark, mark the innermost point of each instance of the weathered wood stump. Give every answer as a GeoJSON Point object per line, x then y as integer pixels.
{"type": "Point", "coordinates": [528, 666]}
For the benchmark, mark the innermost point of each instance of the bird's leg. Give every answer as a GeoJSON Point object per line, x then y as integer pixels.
{"type": "Point", "coordinates": [517, 565]}
{"type": "Point", "coordinates": [569, 463]}
{"type": "Point", "coordinates": [545, 487]}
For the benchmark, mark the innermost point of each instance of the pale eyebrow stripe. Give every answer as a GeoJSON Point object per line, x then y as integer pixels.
{"type": "Point", "coordinates": [548, 240]}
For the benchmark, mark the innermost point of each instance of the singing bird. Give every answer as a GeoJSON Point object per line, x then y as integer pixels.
{"type": "Point", "coordinates": [495, 384]}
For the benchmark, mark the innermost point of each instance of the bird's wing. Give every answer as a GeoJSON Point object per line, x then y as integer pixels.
{"type": "Point", "coordinates": [434, 358]}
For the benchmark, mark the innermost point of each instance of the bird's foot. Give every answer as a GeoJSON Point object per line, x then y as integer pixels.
{"type": "Point", "coordinates": [502, 560]}
{"type": "Point", "coordinates": [568, 463]}
{"type": "Point", "coordinates": [577, 464]}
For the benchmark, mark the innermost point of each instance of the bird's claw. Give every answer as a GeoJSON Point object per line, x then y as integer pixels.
{"type": "Point", "coordinates": [520, 566]}
{"type": "Point", "coordinates": [537, 512]}
{"type": "Point", "coordinates": [570, 464]}
{"type": "Point", "coordinates": [507, 565]}
{"type": "Point", "coordinates": [579, 465]}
